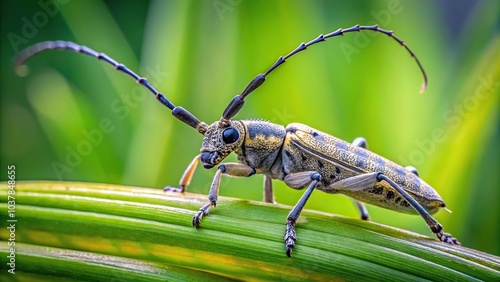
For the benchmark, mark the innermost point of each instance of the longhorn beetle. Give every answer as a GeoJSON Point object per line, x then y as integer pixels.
{"type": "Point", "coordinates": [297, 154]}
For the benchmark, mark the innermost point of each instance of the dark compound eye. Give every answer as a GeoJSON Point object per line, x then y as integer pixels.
{"type": "Point", "coordinates": [230, 135]}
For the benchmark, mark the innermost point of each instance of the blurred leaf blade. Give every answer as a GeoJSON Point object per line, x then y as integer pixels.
{"type": "Point", "coordinates": [49, 264]}
{"type": "Point", "coordinates": [238, 240]}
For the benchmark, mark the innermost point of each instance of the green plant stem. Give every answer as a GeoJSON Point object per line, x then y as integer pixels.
{"type": "Point", "coordinates": [136, 228]}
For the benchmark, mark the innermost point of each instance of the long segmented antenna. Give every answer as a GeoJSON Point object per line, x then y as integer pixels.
{"type": "Point", "coordinates": [235, 105]}
{"type": "Point", "coordinates": [178, 112]}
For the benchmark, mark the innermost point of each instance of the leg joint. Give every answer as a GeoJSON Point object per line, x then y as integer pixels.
{"type": "Point", "coordinates": [436, 229]}
{"type": "Point", "coordinates": [222, 168]}
{"type": "Point", "coordinates": [316, 176]}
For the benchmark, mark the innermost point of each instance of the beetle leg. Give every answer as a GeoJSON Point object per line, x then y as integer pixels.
{"type": "Point", "coordinates": [433, 224]}
{"type": "Point", "coordinates": [313, 178]}
{"type": "Point", "coordinates": [363, 211]}
{"type": "Point", "coordinates": [268, 189]}
{"type": "Point", "coordinates": [361, 142]}
{"type": "Point", "coordinates": [298, 180]}
{"type": "Point", "coordinates": [355, 183]}
{"type": "Point", "coordinates": [363, 181]}
{"type": "Point", "coordinates": [232, 169]}
{"type": "Point", "coordinates": [186, 177]}
{"type": "Point", "coordinates": [411, 169]}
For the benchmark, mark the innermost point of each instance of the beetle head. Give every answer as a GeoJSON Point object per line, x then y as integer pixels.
{"type": "Point", "coordinates": [219, 141]}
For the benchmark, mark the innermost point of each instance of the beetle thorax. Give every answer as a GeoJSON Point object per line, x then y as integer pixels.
{"type": "Point", "coordinates": [262, 144]}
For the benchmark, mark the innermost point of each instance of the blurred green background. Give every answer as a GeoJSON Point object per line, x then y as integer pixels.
{"type": "Point", "coordinates": [202, 53]}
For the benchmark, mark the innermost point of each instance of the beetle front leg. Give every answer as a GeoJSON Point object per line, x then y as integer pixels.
{"type": "Point", "coordinates": [186, 177]}
{"type": "Point", "coordinates": [232, 169]}
{"type": "Point", "coordinates": [310, 176]}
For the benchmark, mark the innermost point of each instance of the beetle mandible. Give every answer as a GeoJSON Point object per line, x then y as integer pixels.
{"type": "Point", "coordinates": [297, 154]}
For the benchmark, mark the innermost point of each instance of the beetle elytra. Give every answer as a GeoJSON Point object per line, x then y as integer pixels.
{"type": "Point", "coordinates": [297, 154]}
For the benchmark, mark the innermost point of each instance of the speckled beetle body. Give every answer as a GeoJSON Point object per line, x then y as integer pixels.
{"type": "Point", "coordinates": [307, 149]}
{"type": "Point", "coordinates": [297, 154]}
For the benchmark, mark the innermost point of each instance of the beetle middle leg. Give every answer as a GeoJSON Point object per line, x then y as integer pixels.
{"type": "Point", "coordinates": [297, 180]}
{"type": "Point", "coordinates": [268, 189]}
{"type": "Point", "coordinates": [232, 169]}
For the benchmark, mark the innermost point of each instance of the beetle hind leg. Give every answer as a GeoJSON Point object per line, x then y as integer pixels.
{"type": "Point", "coordinates": [363, 211]}
{"type": "Point", "coordinates": [366, 180]}
{"type": "Point", "coordinates": [432, 223]}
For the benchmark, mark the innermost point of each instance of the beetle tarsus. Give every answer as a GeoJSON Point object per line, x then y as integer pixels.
{"type": "Point", "coordinates": [290, 237]}
{"type": "Point", "coordinates": [174, 189]}
{"type": "Point", "coordinates": [199, 215]}
{"type": "Point", "coordinates": [447, 238]}
{"type": "Point", "coordinates": [365, 217]}
{"type": "Point", "coordinates": [197, 219]}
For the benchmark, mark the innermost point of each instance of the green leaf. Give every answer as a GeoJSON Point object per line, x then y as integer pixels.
{"type": "Point", "coordinates": [84, 231]}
